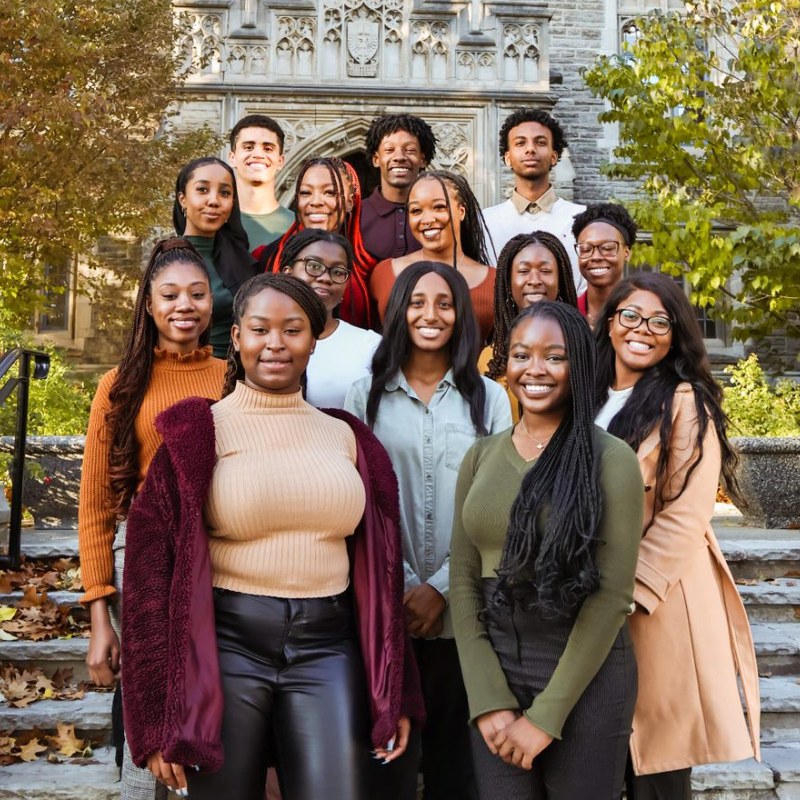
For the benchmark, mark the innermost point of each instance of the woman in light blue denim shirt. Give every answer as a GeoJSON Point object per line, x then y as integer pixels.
{"type": "Point", "coordinates": [427, 403]}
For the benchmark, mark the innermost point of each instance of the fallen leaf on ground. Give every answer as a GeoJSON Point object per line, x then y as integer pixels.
{"type": "Point", "coordinates": [67, 743]}
{"type": "Point", "coordinates": [7, 613]}
{"type": "Point", "coordinates": [32, 750]}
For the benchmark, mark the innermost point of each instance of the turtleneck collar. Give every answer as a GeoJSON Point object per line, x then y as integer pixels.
{"type": "Point", "coordinates": [247, 399]}
{"type": "Point", "coordinates": [169, 358]}
{"type": "Point", "coordinates": [203, 244]}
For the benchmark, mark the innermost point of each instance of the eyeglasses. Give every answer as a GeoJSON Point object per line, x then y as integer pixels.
{"type": "Point", "coordinates": [315, 268]}
{"type": "Point", "coordinates": [585, 250]}
{"type": "Point", "coordinates": [628, 318]}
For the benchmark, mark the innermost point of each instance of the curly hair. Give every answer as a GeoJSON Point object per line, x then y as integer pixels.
{"type": "Point", "coordinates": [555, 556]}
{"type": "Point", "coordinates": [473, 228]}
{"type": "Point", "coordinates": [615, 213]}
{"type": "Point", "coordinates": [384, 126]}
{"type": "Point", "coordinates": [505, 309]}
{"type": "Point", "coordinates": [300, 292]}
{"type": "Point", "coordinates": [532, 115]}
{"type": "Point", "coordinates": [133, 374]}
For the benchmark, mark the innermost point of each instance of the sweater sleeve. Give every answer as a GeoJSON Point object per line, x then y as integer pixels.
{"type": "Point", "coordinates": [484, 679]}
{"type": "Point", "coordinates": [96, 520]}
{"type": "Point", "coordinates": [604, 611]}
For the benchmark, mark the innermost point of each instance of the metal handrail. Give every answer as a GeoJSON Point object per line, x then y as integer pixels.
{"type": "Point", "coordinates": [41, 367]}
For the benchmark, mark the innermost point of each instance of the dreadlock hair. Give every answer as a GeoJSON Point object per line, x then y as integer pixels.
{"type": "Point", "coordinates": [345, 180]}
{"type": "Point", "coordinates": [386, 125]}
{"type": "Point", "coordinates": [300, 292]}
{"type": "Point", "coordinates": [532, 115]}
{"type": "Point", "coordinates": [505, 309]}
{"type": "Point", "coordinates": [650, 403]}
{"type": "Point", "coordinates": [614, 214]}
{"type": "Point", "coordinates": [395, 346]}
{"type": "Point", "coordinates": [308, 236]}
{"type": "Point", "coordinates": [133, 374]}
{"type": "Point", "coordinates": [473, 228]}
{"type": "Point", "coordinates": [556, 559]}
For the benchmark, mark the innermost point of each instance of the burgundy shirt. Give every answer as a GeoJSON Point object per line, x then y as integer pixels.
{"type": "Point", "coordinates": [384, 228]}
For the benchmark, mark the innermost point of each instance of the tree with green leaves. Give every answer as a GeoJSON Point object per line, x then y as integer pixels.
{"type": "Point", "coordinates": [85, 145]}
{"type": "Point", "coordinates": [707, 101]}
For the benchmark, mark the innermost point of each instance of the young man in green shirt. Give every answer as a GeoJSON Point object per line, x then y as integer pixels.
{"type": "Point", "coordinates": [257, 157]}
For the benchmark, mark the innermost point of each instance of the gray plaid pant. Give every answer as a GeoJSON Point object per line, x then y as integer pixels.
{"type": "Point", "coordinates": [137, 784]}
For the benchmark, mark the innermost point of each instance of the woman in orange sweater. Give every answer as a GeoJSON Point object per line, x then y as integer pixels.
{"type": "Point", "coordinates": [166, 359]}
{"type": "Point", "coordinates": [447, 221]}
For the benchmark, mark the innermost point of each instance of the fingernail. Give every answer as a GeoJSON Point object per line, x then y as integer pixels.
{"type": "Point", "coordinates": [183, 792]}
{"type": "Point", "coordinates": [197, 767]}
{"type": "Point", "coordinates": [385, 762]}
{"type": "Point", "coordinates": [377, 757]}
{"type": "Point", "coordinates": [390, 746]}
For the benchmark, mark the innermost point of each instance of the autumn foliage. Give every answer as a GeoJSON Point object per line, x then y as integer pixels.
{"type": "Point", "coordinates": [85, 144]}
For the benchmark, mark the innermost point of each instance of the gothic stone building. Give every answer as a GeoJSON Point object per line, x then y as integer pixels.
{"type": "Point", "coordinates": [325, 68]}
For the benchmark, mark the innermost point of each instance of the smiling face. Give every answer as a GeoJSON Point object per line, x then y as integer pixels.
{"type": "Point", "coordinates": [638, 349]}
{"type": "Point", "coordinates": [274, 342]}
{"type": "Point", "coordinates": [599, 269]}
{"type": "Point", "coordinates": [431, 314]}
{"type": "Point", "coordinates": [534, 276]}
{"type": "Point", "coordinates": [317, 200]}
{"type": "Point", "coordinates": [332, 256]}
{"type": "Point", "coordinates": [530, 151]}
{"type": "Point", "coordinates": [180, 303]}
{"type": "Point", "coordinates": [538, 367]}
{"type": "Point", "coordinates": [399, 159]}
{"type": "Point", "coordinates": [208, 200]}
{"type": "Point", "coordinates": [257, 156]}
{"type": "Point", "coordinates": [429, 218]}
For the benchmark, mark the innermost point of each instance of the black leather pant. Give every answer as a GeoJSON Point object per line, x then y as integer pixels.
{"type": "Point", "coordinates": [295, 695]}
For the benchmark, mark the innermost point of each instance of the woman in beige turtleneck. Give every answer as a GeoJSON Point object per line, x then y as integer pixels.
{"type": "Point", "coordinates": [306, 565]}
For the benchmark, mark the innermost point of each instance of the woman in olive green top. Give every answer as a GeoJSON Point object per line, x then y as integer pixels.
{"type": "Point", "coordinates": [545, 540]}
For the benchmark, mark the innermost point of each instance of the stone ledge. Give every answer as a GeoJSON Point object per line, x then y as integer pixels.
{"type": "Point", "coordinates": [780, 694]}
{"type": "Point", "coordinates": [784, 761]}
{"type": "Point", "coordinates": [52, 543]}
{"type": "Point", "coordinates": [747, 774]}
{"type": "Point", "coordinates": [59, 598]}
{"type": "Point", "coordinates": [781, 591]}
{"type": "Point", "coordinates": [761, 549]}
{"type": "Point", "coordinates": [40, 780]}
{"type": "Point", "coordinates": [50, 650]}
{"type": "Point", "coordinates": [776, 638]}
{"type": "Point", "coordinates": [92, 713]}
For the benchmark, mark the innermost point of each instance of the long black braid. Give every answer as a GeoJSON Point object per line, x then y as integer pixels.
{"type": "Point", "coordinates": [553, 561]}
{"type": "Point", "coordinates": [505, 309]}
{"type": "Point", "coordinates": [300, 292]}
{"type": "Point", "coordinates": [473, 227]}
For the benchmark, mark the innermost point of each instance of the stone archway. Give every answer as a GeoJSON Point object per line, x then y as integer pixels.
{"type": "Point", "coordinates": [345, 138]}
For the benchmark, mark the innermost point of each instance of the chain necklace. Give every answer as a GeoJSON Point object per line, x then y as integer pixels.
{"type": "Point", "coordinates": [539, 444]}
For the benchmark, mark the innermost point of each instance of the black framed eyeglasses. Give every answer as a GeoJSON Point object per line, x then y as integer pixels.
{"type": "Point", "coordinates": [609, 249]}
{"type": "Point", "coordinates": [628, 318]}
{"type": "Point", "coordinates": [315, 268]}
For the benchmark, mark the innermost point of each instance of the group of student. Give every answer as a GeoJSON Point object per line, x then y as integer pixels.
{"type": "Point", "coordinates": [397, 487]}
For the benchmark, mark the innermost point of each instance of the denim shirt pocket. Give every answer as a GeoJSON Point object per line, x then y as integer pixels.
{"type": "Point", "coordinates": [458, 439]}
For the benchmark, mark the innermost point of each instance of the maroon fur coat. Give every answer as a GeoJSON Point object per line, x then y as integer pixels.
{"type": "Point", "coordinates": [172, 699]}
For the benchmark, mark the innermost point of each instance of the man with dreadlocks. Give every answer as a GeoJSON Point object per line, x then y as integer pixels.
{"type": "Point", "coordinates": [531, 143]}
{"type": "Point", "coordinates": [400, 145]}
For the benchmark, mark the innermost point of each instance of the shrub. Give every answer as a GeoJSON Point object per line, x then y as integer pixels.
{"type": "Point", "coordinates": [58, 406]}
{"type": "Point", "coordinates": [755, 407]}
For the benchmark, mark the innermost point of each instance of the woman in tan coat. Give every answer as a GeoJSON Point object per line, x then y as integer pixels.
{"type": "Point", "coordinates": [690, 630]}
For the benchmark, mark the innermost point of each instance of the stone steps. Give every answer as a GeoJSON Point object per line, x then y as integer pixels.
{"type": "Point", "coordinates": [776, 600]}
{"type": "Point", "coordinates": [91, 714]}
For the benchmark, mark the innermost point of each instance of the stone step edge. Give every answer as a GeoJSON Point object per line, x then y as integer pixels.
{"type": "Point", "coordinates": [92, 713]}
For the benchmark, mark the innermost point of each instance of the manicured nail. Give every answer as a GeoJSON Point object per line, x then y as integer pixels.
{"type": "Point", "coordinates": [197, 767]}
{"type": "Point", "coordinates": [183, 792]}
{"type": "Point", "coordinates": [385, 762]}
{"type": "Point", "coordinates": [390, 746]}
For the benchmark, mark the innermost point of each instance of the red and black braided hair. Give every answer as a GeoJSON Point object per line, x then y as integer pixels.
{"type": "Point", "coordinates": [355, 307]}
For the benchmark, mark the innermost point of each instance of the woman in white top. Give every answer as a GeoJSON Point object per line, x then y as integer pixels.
{"type": "Point", "coordinates": [343, 354]}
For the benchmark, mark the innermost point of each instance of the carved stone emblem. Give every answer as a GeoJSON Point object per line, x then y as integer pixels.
{"type": "Point", "coordinates": [363, 36]}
